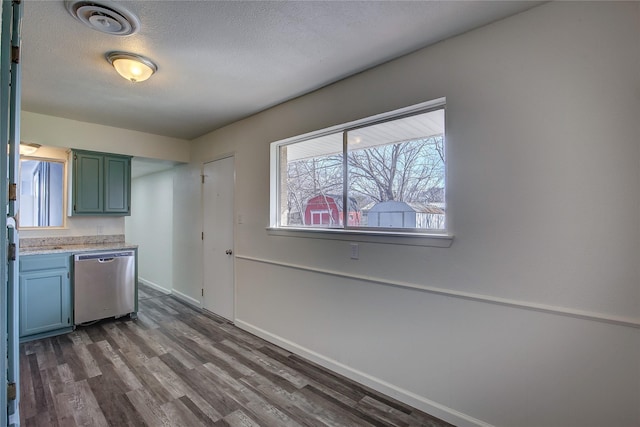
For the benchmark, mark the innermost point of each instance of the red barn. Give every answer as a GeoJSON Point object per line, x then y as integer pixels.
{"type": "Point", "coordinates": [326, 210]}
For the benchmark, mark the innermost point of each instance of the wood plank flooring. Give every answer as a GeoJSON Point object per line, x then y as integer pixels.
{"type": "Point", "coordinates": [179, 366]}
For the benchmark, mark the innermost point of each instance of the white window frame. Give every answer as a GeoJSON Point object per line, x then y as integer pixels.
{"type": "Point", "coordinates": [400, 236]}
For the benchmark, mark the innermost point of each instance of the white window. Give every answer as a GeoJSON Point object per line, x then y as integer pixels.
{"type": "Point", "coordinates": [384, 173]}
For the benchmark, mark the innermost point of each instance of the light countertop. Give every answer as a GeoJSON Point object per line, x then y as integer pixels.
{"type": "Point", "coordinates": [90, 247]}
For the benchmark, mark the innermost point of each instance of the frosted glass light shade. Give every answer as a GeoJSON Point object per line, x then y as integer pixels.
{"type": "Point", "coordinates": [135, 68]}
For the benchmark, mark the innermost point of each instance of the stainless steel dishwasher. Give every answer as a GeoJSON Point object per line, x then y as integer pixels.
{"type": "Point", "coordinates": [104, 285]}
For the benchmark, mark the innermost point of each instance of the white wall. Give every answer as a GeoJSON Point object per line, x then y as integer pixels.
{"type": "Point", "coordinates": [61, 133]}
{"type": "Point", "coordinates": [80, 226]}
{"type": "Point", "coordinates": [532, 316]}
{"type": "Point", "coordinates": [150, 226]}
{"type": "Point", "coordinates": [187, 229]}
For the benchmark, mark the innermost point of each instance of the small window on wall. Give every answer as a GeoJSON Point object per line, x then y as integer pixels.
{"type": "Point", "coordinates": [383, 173]}
{"type": "Point", "coordinates": [41, 192]}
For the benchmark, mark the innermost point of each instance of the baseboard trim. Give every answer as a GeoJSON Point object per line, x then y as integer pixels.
{"type": "Point", "coordinates": [544, 308]}
{"type": "Point", "coordinates": [179, 295]}
{"type": "Point", "coordinates": [186, 298]}
{"type": "Point", "coordinates": [450, 415]}
{"type": "Point", "coordinates": [154, 285]}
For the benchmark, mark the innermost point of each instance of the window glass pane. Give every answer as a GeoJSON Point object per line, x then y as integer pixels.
{"type": "Point", "coordinates": [41, 193]}
{"type": "Point", "coordinates": [311, 182]}
{"type": "Point", "coordinates": [396, 172]}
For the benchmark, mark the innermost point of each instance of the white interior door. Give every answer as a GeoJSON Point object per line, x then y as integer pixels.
{"type": "Point", "coordinates": [218, 192]}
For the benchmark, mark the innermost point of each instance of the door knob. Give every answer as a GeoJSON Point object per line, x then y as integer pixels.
{"type": "Point", "coordinates": [228, 252]}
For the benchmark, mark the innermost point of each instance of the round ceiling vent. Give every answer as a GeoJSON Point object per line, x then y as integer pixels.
{"type": "Point", "coordinates": [104, 16]}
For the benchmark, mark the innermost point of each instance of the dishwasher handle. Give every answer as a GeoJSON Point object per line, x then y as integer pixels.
{"type": "Point", "coordinates": [103, 257]}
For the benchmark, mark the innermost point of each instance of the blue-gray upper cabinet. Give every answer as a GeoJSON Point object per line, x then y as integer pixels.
{"type": "Point", "coordinates": [45, 296]}
{"type": "Point", "coordinates": [101, 184]}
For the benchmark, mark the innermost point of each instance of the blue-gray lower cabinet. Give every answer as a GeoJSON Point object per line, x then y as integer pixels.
{"type": "Point", "coordinates": [45, 296]}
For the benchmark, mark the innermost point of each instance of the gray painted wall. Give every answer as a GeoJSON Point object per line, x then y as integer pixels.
{"type": "Point", "coordinates": [531, 317]}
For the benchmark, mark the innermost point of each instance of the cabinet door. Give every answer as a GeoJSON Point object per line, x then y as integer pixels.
{"type": "Point", "coordinates": [88, 183]}
{"type": "Point", "coordinates": [117, 184]}
{"type": "Point", "coordinates": [45, 301]}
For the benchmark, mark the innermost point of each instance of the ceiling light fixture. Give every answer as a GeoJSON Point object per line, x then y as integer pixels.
{"type": "Point", "coordinates": [133, 67]}
{"type": "Point", "coordinates": [28, 148]}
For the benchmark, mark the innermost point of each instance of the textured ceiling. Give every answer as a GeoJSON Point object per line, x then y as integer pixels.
{"type": "Point", "coordinates": [222, 61]}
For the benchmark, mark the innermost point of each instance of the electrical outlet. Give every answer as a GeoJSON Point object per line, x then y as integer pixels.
{"type": "Point", "coordinates": [100, 230]}
{"type": "Point", "coordinates": [355, 251]}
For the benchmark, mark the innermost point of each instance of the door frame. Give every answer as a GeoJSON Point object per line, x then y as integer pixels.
{"type": "Point", "coordinates": [11, 83]}
{"type": "Point", "coordinates": [231, 154]}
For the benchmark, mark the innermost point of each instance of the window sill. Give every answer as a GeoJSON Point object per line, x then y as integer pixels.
{"type": "Point", "coordinates": [368, 236]}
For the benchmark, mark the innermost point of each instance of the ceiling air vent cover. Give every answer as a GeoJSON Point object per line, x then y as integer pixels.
{"type": "Point", "coordinates": [104, 16]}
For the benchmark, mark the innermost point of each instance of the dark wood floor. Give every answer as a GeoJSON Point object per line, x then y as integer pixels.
{"type": "Point", "coordinates": [178, 366]}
